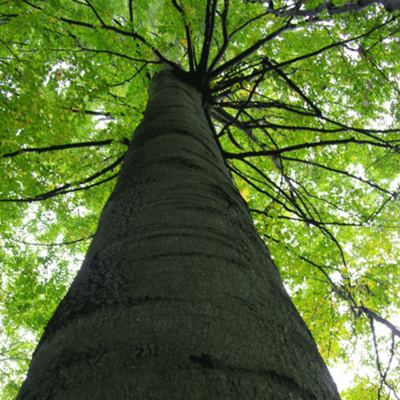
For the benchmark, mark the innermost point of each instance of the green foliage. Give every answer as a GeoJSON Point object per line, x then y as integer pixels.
{"type": "Point", "coordinates": [306, 107]}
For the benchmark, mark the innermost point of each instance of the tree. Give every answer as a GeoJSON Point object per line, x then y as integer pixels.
{"type": "Point", "coordinates": [298, 99]}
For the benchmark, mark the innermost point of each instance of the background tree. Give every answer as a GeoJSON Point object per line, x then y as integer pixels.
{"type": "Point", "coordinates": [304, 98]}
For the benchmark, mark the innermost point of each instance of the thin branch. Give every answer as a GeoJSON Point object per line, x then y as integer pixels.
{"type": "Point", "coordinates": [208, 36]}
{"type": "Point", "coordinates": [378, 363]}
{"type": "Point", "coordinates": [10, 50]}
{"type": "Point", "coordinates": [65, 188]}
{"type": "Point", "coordinates": [96, 13]}
{"type": "Point", "coordinates": [90, 179]}
{"type": "Point", "coordinates": [224, 47]}
{"type": "Point", "coordinates": [252, 49]}
{"type": "Point", "coordinates": [132, 35]}
{"type": "Point", "coordinates": [130, 11]}
{"type": "Point", "coordinates": [323, 229]}
{"type": "Point", "coordinates": [306, 145]}
{"type": "Point", "coordinates": [269, 183]}
{"type": "Point", "coordinates": [234, 119]}
{"type": "Point", "coordinates": [113, 53]}
{"type": "Point", "coordinates": [343, 128]}
{"type": "Point", "coordinates": [331, 9]}
{"type": "Point", "coordinates": [372, 315]}
{"type": "Point", "coordinates": [248, 22]}
{"type": "Point", "coordinates": [334, 286]}
{"type": "Point", "coordinates": [260, 105]}
{"type": "Point", "coordinates": [309, 55]}
{"type": "Point", "coordinates": [61, 147]}
{"type": "Point", "coordinates": [55, 244]}
{"type": "Point", "coordinates": [294, 87]}
{"type": "Point", "coordinates": [188, 37]}
{"type": "Point", "coordinates": [338, 171]}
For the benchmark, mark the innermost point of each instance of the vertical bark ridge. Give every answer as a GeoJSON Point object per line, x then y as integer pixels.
{"type": "Point", "coordinates": [178, 297]}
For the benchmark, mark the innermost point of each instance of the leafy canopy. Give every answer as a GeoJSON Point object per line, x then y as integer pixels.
{"type": "Point", "coordinates": [305, 101]}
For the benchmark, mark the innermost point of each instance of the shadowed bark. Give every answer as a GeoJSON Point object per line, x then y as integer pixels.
{"type": "Point", "coordinates": [178, 297]}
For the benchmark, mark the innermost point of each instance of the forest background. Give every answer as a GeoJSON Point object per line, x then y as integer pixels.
{"type": "Point", "coordinates": [305, 100]}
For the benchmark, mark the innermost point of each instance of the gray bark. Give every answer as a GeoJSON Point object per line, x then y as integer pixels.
{"type": "Point", "coordinates": [178, 297]}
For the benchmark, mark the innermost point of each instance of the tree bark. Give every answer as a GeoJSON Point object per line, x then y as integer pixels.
{"type": "Point", "coordinates": [178, 297]}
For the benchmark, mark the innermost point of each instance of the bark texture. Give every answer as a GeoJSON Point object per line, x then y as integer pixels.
{"type": "Point", "coordinates": [178, 297]}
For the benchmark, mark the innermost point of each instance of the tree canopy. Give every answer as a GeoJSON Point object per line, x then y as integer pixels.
{"type": "Point", "coordinates": [304, 97]}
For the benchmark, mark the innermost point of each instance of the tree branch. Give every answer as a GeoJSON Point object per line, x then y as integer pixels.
{"type": "Point", "coordinates": [306, 145]}
{"type": "Point", "coordinates": [208, 36]}
{"type": "Point", "coordinates": [224, 47]}
{"type": "Point", "coordinates": [188, 37]}
{"type": "Point", "coordinates": [56, 244]}
{"type": "Point", "coordinates": [331, 9]}
{"type": "Point", "coordinates": [65, 188]}
{"type": "Point", "coordinates": [61, 147]}
{"type": "Point", "coordinates": [252, 49]}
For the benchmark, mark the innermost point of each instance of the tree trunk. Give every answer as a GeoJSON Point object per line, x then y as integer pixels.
{"type": "Point", "coordinates": [178, 297]}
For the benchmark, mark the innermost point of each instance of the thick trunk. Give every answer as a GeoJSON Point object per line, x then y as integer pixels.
{"type": "Point", "coordinates": [178, 297]}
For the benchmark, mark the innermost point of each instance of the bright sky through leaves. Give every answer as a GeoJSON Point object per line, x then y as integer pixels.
{"type": "Point", "coordinates": [305, 99]}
